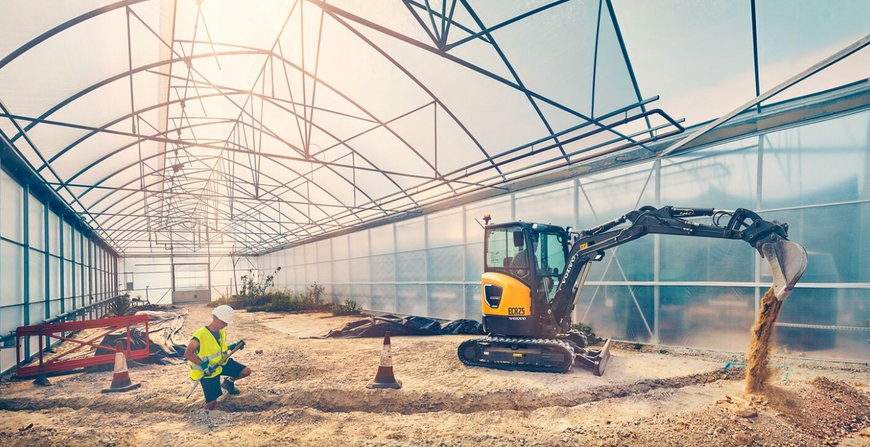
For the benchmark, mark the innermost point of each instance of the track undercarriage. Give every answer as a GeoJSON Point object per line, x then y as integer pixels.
{"type": "Point", "coordinates": [533, 354]}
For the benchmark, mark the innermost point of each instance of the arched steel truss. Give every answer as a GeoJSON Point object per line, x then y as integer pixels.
{"type": "Point", "coordinates": [202, 192]}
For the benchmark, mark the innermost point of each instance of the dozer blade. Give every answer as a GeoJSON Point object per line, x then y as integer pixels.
{"type": "Point", "coordinates": [787, 260]}
{"type": "Point", "coordinates": [603, 358]}
{"type": "Point", "coordinates": [596, 360]}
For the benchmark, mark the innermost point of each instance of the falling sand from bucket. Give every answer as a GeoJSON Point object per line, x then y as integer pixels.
{"type": "Point", "coordinates": [757, 372]}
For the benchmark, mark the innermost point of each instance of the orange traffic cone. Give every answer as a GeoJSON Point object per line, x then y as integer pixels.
{"type": "Point", "coordinates": [384, 377]}
{"type": "Point", "coordinates": [121, 378]}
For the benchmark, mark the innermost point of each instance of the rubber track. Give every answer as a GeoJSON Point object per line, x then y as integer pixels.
{"type": "Point", "coordinates": [507, 342]}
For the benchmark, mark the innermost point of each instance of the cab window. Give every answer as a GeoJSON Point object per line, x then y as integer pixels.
{"type": "Point", "coordinates": [503, 245]}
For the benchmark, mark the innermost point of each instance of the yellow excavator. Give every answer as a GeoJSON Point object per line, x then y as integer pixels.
{"type": "Point", "coordinates": [534, 273]}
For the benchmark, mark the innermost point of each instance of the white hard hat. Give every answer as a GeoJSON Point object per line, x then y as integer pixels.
{"type": "Point", "coordinates": [224, 313]}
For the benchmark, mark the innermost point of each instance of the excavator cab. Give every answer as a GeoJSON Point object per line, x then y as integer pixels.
{"type": "Point", "coordinates": [522, 269]}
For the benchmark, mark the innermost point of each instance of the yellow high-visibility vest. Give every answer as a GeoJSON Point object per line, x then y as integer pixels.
{"type": "Point", "coordinates": [209, 351]}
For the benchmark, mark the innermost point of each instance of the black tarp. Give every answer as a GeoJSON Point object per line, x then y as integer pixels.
{"type": "Point", "coordinates": [397, 326]}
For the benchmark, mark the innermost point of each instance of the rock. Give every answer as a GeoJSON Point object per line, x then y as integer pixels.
{"type": "Point", "coordinates": [742, 439]}
{"type": "Point", "coordinates": [747, 412]}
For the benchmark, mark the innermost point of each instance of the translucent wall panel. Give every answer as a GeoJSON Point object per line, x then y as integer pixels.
{"type": "Point", "coordinates": [446, 301]}
{"type": "Point", "coordinates": [11, 276]}
{"type": "Point", "coordinates": [36, 222]}
{"type": "Point", "coordinates": [831, 258]}
{"type": "Point", "coordinates": [410, 235]}
{"type": "Point", "coordinates": [553, 204]}
{"type": "Point", "coordinates": [445, 228]}
{"type": "Point", "coordinates": [382, 240]}
{"type": "Point", "coordinates": [818, 163]}
{"type": "Point", "coordinates": [37, 280]}
{"type": "Point", "coordinates": [618, 311]}
{"type": "Point", "coordinates": [708, 317]}
{"type": "Point", "coordinates": [383, 298]}
{"type": "Point", "coordinates": [445, 264]}
{"type": "Point", "coordinates": [339, 247]}
{"type": "Point", "coordinates": [473, 308]}
{"type": "Point", "coordinates": [383, 268]}
{"type": "Point", "coordinates": [53, 233]}
{"type": "Point", "coordinates": [412, 266]}
{"type": "Point", "coordinates": [12, 208]}
{"type": "Point", "coordinates": [67, 241]}
{"type": "Point", "coordinates": [411, 300]}
{"type": "Point", "coordinates": [68, 285]}
{"type": "Point", "coordinates": [359, 244]}
{"type": "Point", "coordinates": [473, 261]}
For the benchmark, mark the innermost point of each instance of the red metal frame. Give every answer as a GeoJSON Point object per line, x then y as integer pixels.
{"type": "Point", "coordinates": [56, 330]}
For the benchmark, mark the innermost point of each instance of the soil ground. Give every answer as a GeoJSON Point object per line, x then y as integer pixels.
{"type": "Point", "coordinates": [313, 392]}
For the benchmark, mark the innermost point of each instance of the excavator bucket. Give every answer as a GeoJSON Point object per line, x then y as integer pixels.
{"type": "Point", "coordinates": [787, 261]}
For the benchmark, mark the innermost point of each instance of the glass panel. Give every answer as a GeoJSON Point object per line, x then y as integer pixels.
{"type": "Point", "coordinates": [191, 277]}
{"type": "Point", "coordinates": [411, 299]}
{"type": "Point", "coordinates": [410, 235]}
{"type": "Point", "coordinates": [67, 241]}
{"type": "Point", "coordinates": [383, 268]}
{"type": "Point", "coordinates": [362, 294]}
{"type": "Point", "coordinates": [53, 233]}
{"type": "Point", "coordinates": [67, 279]}
{"type": "Point", "coordinates": [445, 264]}
{"type": "Point", "coordinates": [382, 239]}
{"type": "Point", "coordinates": [723, 177]}
{"type": "Point", "coordinates": [310, 253]}
{"type": "Point", "coordinates": [383, 298]}
{"type": "Point", "coordinates": [324, 273]}
{"type": "Point", "coordinates": [412, 266]}
{"type": "Point", "coordinates": [54, 277]}
{"type": "Point", "coordinates": [553, 204]}
{"type": "Point", "coordinates": [37, 276]}
{"type": "Point", "coordinates": [323, 251]}
{"type": "Point", "coordinates": [339, 247]}
{"type": "Point", "coordinates": [832, 257]}
{"type": "Point", "coordinates": [36, 222]}
{"type": "Point", "coordinates": [473, 262]}
{"type": "Point", "coordinates": [360, 270]}
{"type": "Point", "coordinates": [446, 301]}
{"type": "Point", "coordinates": [473, 308]}
{"type": "Point", "coordinates": [10, 319]}
{"type": "Point", "coordinates": [341, 272]}
{"type": "Point", "coordinates": [702, 259]}
{"type": "Point", "coordinates": [708, 317]}
{"type": "Point", "coordinates": [612, 311]}
{"type": "Point", "coordinates": [716, 36]}
{"type": "Point", "coordinates": [816, 163]}
{"type": "Point", "coordinates": [359, 244]}
{"type": "Point", "coordinates": [11, 274]}
{"type": "Point", "coordinates": [12, 208]}
{"type": "Point", "coordinates": [445, 228]}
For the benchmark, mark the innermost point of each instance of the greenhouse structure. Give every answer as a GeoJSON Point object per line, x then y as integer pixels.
{"type": "Point", "coordinates": [167, 149]}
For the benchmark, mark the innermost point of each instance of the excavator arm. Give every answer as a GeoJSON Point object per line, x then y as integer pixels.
{"type": "Point", "coordinates": [787, 259]}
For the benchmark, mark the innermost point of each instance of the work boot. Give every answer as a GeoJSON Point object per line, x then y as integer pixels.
{"type": "Point", "coordinates": [230, 387]}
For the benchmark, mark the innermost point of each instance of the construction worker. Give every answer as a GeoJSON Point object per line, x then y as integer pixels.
{"type": "Point", "coordinates": [205, 352]}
